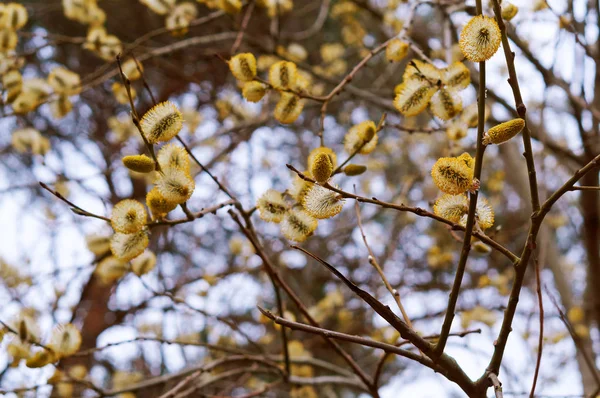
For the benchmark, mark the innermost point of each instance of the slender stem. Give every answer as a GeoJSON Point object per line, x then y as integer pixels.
{"type": "Point", "coordinates": [466, 248]}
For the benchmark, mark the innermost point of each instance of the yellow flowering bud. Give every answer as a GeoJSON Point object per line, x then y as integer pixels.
{"type": "Point", "coordinates": [300, 187]}
{"type": "Point", "coordinates": [173, 156]}
{"type": "Point", "coordinates": [64, 81]}
{"type": "Point", "coordinates": [254, 91]}
{"type": "Point", "coordinates": [8, 40]}
{"type": "Point", "coordinates": [128, 216]}
{"type": "Point", "coordinates": [130, 69]}
{"type": "Point", "coordinates": [320, 202]}
{"type": "Point", "coordinates": [176, 185]}
{"type": "Point", "coordinates": [128, 246]}
{"type": "Point", "coordinates": [98, 244]}
{"type": "Point", "coordinates": [362, 135]}
{"type": "Point", "coordinates": [456, 76]}
{"type": "Point", "coordinates": [61, 107]}
{"type": "Point", "coordinates": [446, 104]}
{"type": "Point", "coordinates": [451, 207]}
{"type": "Point", "coordinates": [41, 359]}
{"type": "Point", "coordinates": [509, 11]}
{"type": "Point", "coordinates": [467, 160]}
{"type": "Point", "coordinates": [243, 66]}
{"type": "Point", "coordinates": [396, 50]}
{"type": "Point", "coordinates": [456, 130]}
{"type": "Point", "coordinates": [30, 140]}
{"type": "Point", "coordinates": [65, 340]}
{"type": "Point", "coordinates": [158, 204]}
{"type": "Point", "coordinates": [322, 150]}
{"type": "Point", "coordinates": [78, 372]}
{"type": "Point", "coordinates": [12, 81]}
{"type": "Point", "coordinates": [298, 225]}
{"type": "Point", "coordinates": [143, 263]}
{"type": "Point", "coordinates": [271, 206]}
{"type": "Point", "coordinates": [452, 176]}
{"type": "Point", "coordinates": [332, 51]}
{"type": "Point", "coordinates": [288, 108]}
{"type": "Point", "coordinates": [413, 96]}
{"type": "Point", "coordinates": [120, 92]}
{"type": "Point", "coordinates": [503, 132]}
{"type": "Point", "coordinates": [354, 169]}
{"type": "Point", "coordinates": [13, 17]}
{"type": "Point", "coordinates": [420, 70]}
{"type": "Point", "coordinates": [162, 122]}
{"type": "Point", "coordinates": [282, 75]}
{"type": "Point", "coordinates": [138, 163]}
{"type": "Point", "coordinates": [481, 247]}
{"type": "Point", "coordinates": [480, 38]}
{"type": "Point", "coordinates": [321, 167]}
{"type": "Point", "coordinates": [110, 269]}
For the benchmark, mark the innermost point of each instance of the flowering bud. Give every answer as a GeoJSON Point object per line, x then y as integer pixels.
{"type": "Point", "coordinates": [298, 225]}
{"type": "Point", "coordinates": [509, 11]}
{"type": "Point", "coordinates": [271, 206]}
{"type": "Point", "coordinates": [321, 202]}
{"type": "Point", "coordinates": [354, 169]}
{"type": "Point", "coordinates": [128, 216]}
{"type": "Point", "coordinates": [362, 136]}
{"type": "Point", "coordinates": [282, 75]}
{"type": "Point", "coordinates": [396, 50]}
{"type": "Point", "coordinates": [288, 108]}
{"type": "Point", "coordinates": [452, 176]}
{"type": "Point", "coordinates": [413, 96]}
{"type": "Point", "coordinates": [321, 168]}
{"type": "Point", "coordinates": [128, 246]}
{"type": "Point", "coordinates": [446, 104]}
{"type": "Point", "coordinates": [243, 66]}
{"type": "Point", "coordinates": [162, 122]}
{"type": "Point", "coordinates": [254, 91]}
{"type": "Point", "coordinates": [503, 132]}
{"type": "Point", "coordinates": [480, 38]}
{"type": "Point", "coordinates": [138, 163]}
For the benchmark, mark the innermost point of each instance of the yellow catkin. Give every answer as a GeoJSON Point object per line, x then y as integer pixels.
{"type": "Point", "coordinates": [456, 76]}
{"type": "Point", "coordinates": [254, 91]}
{"type": "Point", "coordinates": [396, 50]}
{"type": "Point", "coordinates": [162, 122]}
{"type": "Point", "coordinates": [128, 216]}
{"type": "Point", "coordinates": [354, 169]}
{"type": "Point", "coordinates": [125, 247]}
{"type": "Point", "coordinates": [446, 104]}
{"type": "Point", "coordinates": [413, 96]}
{"type": "Point", "coordinates": [452, 176]}
{"type": "Point", "coordinates": [480, 38]}
{"type": "Point", "coordinates": [362, 138]}
{"type": "Point", "coordinates": [509, 11]}
{"type": "Point", "coordinates": [288, 108]}
{"type": "Point", "coordinates": [138, 163]}
{"type": "Point", "coordinates": [271, 206]}
{"type": "Point", "coordinates": [322, 203]}
{"type": "Point", "coordinates": [298, 225]}
{"type": "Point", "coordinates": [322, 150]}
{"type": "Point", "coordinates": [321, 168]}
{"type": "Point", "coordinates": [243, 66]}
{"type": "Point", "coordinates": [451, 207]}
{"type": "Point", "coordinates": [158, 204]}
{"type": "Point", "coordinates": [283, 74]}
{"type": "Point", "coordinates": [503, 132]}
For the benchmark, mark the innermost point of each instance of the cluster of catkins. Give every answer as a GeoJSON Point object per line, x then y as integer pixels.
{"type": "Point", "coordinates": [173, 185]}
{"type": "Point", "coordinates": [479, 41]}
{"type": "Point", "coordinates": [298, 209]}
{"type": "Point", "coordinates": [26, 341]}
